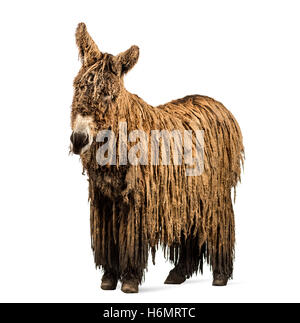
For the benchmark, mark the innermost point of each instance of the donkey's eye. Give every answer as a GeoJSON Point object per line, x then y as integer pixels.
{"type": "Point", "coordinates": [90, 78]}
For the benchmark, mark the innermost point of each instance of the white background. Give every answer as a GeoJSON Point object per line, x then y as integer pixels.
{"type": "Point", "coordinates": [245, 54]}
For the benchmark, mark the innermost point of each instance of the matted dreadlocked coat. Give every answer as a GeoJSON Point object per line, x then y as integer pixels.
{"type": "Point", "coordinates": [134, 209]}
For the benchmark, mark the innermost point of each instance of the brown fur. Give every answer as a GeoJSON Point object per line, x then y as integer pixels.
{"type": "Point", "coordinates": [136, 208]}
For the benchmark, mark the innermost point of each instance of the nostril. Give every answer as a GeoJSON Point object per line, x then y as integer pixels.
{"type": "Point", "coordinates": [86, 141]}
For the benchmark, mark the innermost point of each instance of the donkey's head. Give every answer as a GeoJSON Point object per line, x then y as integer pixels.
{"type": "Point", "coordinates": [97, 86]}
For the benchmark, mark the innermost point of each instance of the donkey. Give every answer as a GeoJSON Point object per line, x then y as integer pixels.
{"type": "Point", "coordinates": [135, 208]}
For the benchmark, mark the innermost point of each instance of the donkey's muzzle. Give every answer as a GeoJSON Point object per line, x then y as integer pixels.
{"type": "Point", "coordinates": [79, 140]}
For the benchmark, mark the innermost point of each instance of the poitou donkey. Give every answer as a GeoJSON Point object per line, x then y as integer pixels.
{"type": "Point", "coordinates": [137, 207]}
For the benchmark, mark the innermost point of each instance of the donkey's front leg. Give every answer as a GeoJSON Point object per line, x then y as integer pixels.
{"type": "Point", "coordinates": [111, 270]}
{"type": "Point", "coordinates": [109, 279]}
{"type": "Point", "coordinates": [132, 275]}
{"type": "Point", "coordinates": [133, 250]}
{"type": "Point", "coordinates": [130, 281]}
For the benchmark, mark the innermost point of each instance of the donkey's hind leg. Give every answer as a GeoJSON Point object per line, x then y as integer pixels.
{"type": "Point", "coordinates": [176, 275]}
{"type": "Point", "coordinates": [187, 263]}
{"type": "Point", "coordinates": [222, 265]}
{"type": "Point", "coordinates": [221, 256]}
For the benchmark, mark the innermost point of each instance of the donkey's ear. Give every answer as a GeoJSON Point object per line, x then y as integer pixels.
{"type": "Point", "coordinates": [128, 58]}
{"type": "Point", "coordinates": [88, 50]}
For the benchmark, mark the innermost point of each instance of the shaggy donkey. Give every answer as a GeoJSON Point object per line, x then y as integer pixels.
{"type": "Point", "coordinates": [134, 209]}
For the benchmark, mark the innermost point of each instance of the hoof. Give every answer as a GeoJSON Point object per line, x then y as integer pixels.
{"type": "Point", "coordinates": [108, 282]}
{"type": "Point", "coordinates": [220, 280]}
{"type": "Point", "coordinates": [108, 285]}
{"type": "Point", "coordinates": [130, 286]}
{"type": "Point", "coordinates": [175, 278]}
